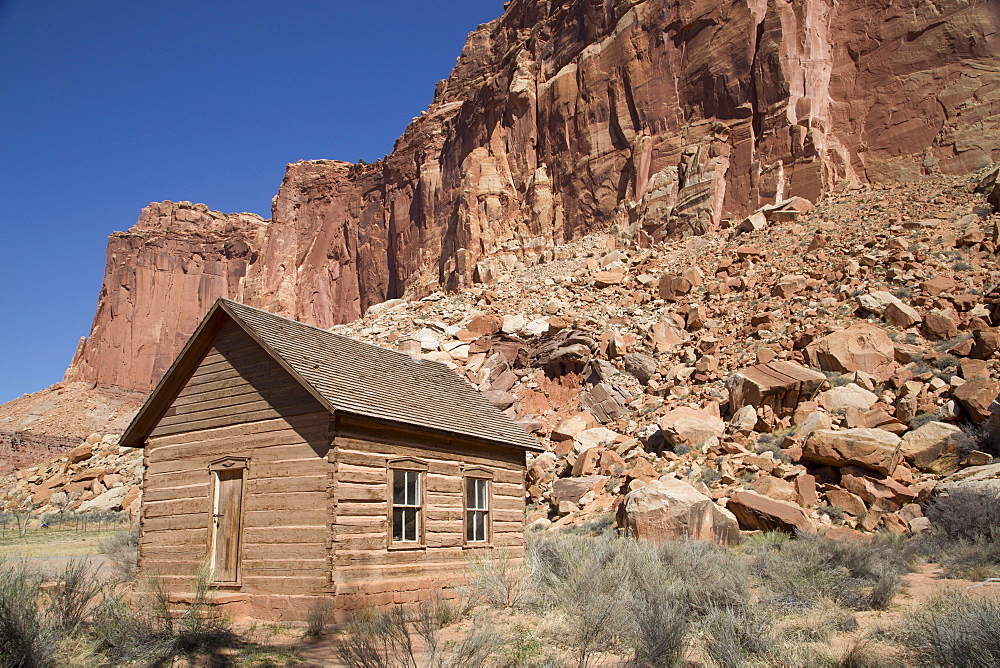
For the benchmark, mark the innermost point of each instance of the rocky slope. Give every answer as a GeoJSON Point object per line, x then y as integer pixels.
{"type": "Point", "coordinates": [813, 370]}
{"type": "Point", "coordinates": [647, 118]}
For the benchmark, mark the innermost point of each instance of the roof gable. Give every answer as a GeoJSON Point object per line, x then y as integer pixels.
{"type": "Point", "coordinates": [344, 375]}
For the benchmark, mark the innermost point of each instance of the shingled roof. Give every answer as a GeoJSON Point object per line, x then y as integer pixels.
{"type": "Point", "coordinates": [347, 376]}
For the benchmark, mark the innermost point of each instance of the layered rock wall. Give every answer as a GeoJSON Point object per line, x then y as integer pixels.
{"type": "Point", "coordinates": [160, 278]}
{"type": "Point", "coordinates": [651, 117]}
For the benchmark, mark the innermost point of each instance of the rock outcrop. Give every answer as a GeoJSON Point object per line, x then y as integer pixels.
{"type": "Point", "coordinates": [160, 279]}
{"type": "Point", "coordinates": [648, 117]}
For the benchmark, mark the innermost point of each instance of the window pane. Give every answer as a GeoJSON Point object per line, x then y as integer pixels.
{"type": "Point", "coordinates": [398, 487]}
{"type": "Point", "coordinates": [475, 526]}
{"type": "Point", "coordinates": [470, 493]}
{"type": "Point", "coordinates": [413, 488]}
{"type": "Point", "coordinates": [483, 486]}
{"type": "Point", "coordinates": [410, 524]}
{"type": "Point", "coordinates": [397, 524]}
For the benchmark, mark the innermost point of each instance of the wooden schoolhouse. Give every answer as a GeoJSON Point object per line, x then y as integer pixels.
{"type": "Point", "coordinates": [297, 465]}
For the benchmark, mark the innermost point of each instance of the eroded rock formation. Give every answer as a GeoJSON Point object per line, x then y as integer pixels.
{"type": "Point", "coordinates": [651, 118]}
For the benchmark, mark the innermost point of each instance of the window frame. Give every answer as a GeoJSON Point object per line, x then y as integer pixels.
{"type": "Point", "coordinates": [406, 465]}
{"type": "Point", "coordinates": [477, 473]}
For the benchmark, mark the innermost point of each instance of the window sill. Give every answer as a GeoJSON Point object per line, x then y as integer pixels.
{"type": "Point", "coordinates": [395, 547]}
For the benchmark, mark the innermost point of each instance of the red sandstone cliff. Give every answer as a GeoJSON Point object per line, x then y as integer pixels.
{"type": "Point", "coordinates": [650, 117]}
{"type": "Point", "coordinates": [160, 279]}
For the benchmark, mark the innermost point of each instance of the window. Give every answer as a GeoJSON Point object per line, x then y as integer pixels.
{"type": "Point", "coordinates": [478, 484]}
{"type": "Point", "coordinates": [477, 509]}
{"type": "Point", "coordinates": [407, 520]}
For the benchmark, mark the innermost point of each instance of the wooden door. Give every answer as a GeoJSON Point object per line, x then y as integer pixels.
{"type": "Point", "coordinates": [228, 525]}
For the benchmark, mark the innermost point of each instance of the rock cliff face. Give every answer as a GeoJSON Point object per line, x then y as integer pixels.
{"type": "Point", "coordinates": [160, 279]}
{"type": "Point", "coordinates": [651, 118]}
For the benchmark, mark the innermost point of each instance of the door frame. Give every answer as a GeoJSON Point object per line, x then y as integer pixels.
{"type": "Point", "coordinates": [214, 468]}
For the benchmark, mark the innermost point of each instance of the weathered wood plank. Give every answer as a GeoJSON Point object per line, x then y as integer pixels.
{"type": "Point", "coordinates": [285, 534]}
{"type": "Point", "coordinates": [175, 507]}
{"type": "Point", "coordinates": [164, 493]}
{"type": "Point", "coordinates": [228, 420]}
{"type": "Point", "coordinates": [285, 484]}
{"type": "Point", "coordinates": [291, 501]}
{"type": "Point", "coordinates": [356, 492]}
{"type": "Point", "coordinates": [315, 517]}
{"type": "Point", "coordinates": [295, 422]}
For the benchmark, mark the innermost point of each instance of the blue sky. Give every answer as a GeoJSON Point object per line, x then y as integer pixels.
{"type": "Point", "coordinates": [108, 105]}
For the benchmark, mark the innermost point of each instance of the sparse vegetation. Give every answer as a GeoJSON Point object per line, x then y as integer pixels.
{"type": "Point", "coordinates": [954, 630]}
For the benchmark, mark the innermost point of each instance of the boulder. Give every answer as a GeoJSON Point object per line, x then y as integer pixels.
{"type": "Point", "coordinates": [940, 325]}
{"type": "Point", "coordinates": [884, 493]}
{"type": "Point", "coordinates": [754, 511]}
{"type": "Point", "coordinates": [80, 453]}
{"type": "Point", "coordinates": [847, 396]}
{"type": "Point", "coordinates": [691, 427]}
{"type": "Point", "coordinates": [789, 285]}
{"type": "Point", "coordinates": [873, 449]}
{"type": "Point", "coordinates": [669, 508]}
{"type": "Point", "coordinates": [861, 347]}
{"type": "Point", "coordinates": [774, 488]}
{"type": "Point", "coordinates": [673, 286]}
{"type": "Point", "coordinates": [666, 335]}
{"type": "Point", "coordinates": [641, 366]}
{"type": "Point", "coordinates": [572, 489]}
{"type": "Point", "coordinates": [927, 442]}
{"type": "Point", "coordinates": [976, 478]}
{"type": "Point", "coordinates": [597, 437]}
{"type": "Point", "coordinates": [901, 315]}
{"type": "Point", "coordinates": [976, 397]}
{"type": "Point", "coordinates": [568, 428]}
{"type": "Point", "coordinates": [109, 500]}
{"type": "Point", "coordinates": [778, 384]}
{"type": "Point", "coordinates": [987, 342]}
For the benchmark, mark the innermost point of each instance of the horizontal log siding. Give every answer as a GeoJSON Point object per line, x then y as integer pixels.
{"type": "Point", "coordinates": [241, 403]}
{"type": "Point", "coordinates": [364, 567]}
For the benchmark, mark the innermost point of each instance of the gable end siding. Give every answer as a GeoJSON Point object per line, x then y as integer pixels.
{"type": "Point", "coordinates": [240, 402]}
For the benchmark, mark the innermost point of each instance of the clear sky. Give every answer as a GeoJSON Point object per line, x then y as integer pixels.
{"type": "Point", "coordinates": [107, 105]}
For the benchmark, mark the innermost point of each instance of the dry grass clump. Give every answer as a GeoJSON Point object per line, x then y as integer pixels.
{"type": "Point", "coordinates": [802, 572]}
{"type": "Point", "coordinates": [76, 618]}
{"type": "Point", "coordinates": [967, 537]}
{"type": "Point", "coordinates": [954, 630]}
{"type": "Point", "coordinates": [122, 549]}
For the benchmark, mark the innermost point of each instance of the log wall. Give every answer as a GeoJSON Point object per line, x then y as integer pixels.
{"type": "Point", "coordinates": [240, 402]}
{"type": "Point", "coordinates": [365, 570]}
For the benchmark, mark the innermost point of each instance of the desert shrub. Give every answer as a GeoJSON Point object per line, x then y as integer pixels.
{"type": "Point", "coordinates": [156, 632]}
{"type": "Point", "coordinates": [708, 476]}
{"type": "Point", "coordinates": [384, 639]}
{"type": "Point", "coordinates": [317, 618]}
{"type": "Point", "coordinates": [954, 630]}
{"type": "Point", "coordinates": [26, 640]}
{"type": "Point", "coordinates": [580, 576]}
{"type": "Point", "coordinates": [122, 548]}
{"type": "Point", "coordinates": [598, 525]}
{"type": "Point", "coordinates": [707, 576]}
{"type": "Point", "coordinates": [497, 578]}
{"type": "Point", "coordinates": [659, 623]}
{"type": "Point", "coordinates": [739, 637]}
{"type": "Point", "coordinates": [969, 514]}
{"type": "Point", "coordinates": [819, 622]}
{"type": "Point", "coordinates": [976, 437]}
{"type": "Point", "coordinates": [77, 589]}
{"type": "Point", "coordinates": [860, 576]}
{"type": "Point", "coordinates": [377, 638]}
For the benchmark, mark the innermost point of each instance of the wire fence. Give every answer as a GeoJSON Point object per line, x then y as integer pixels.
{"type": "Point", "coordinates": [23, 525]}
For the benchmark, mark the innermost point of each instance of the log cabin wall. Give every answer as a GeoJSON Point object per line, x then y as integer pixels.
{"type": "Point", "coordinates": [366, 570]}
{"type": "Point", "coordinates": [241, 403]}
